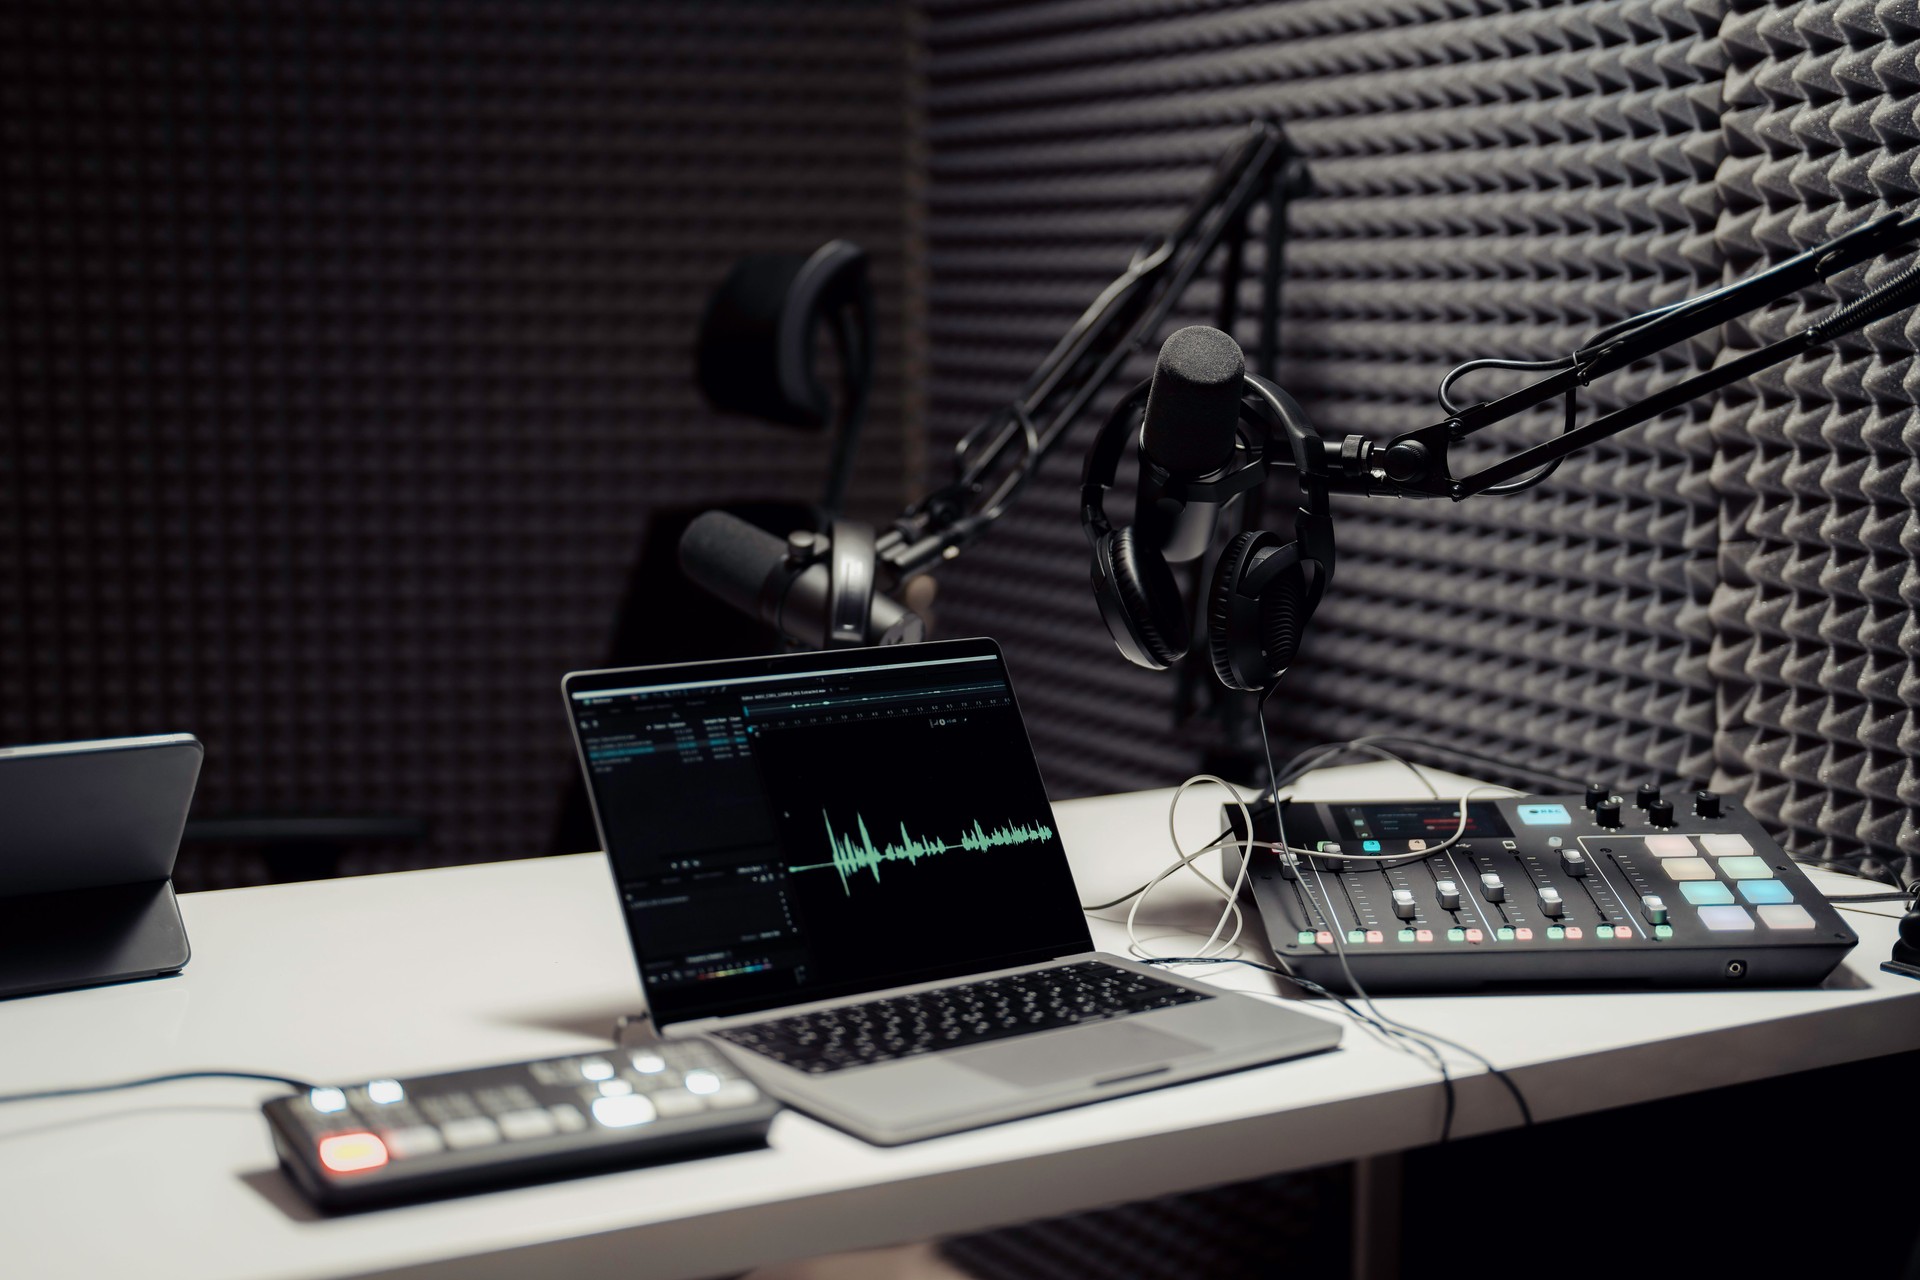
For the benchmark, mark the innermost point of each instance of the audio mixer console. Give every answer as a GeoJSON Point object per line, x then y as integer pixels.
{"type": "Point", "coordinates": [1541, 890]}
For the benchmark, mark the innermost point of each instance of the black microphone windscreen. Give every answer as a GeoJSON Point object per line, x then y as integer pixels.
{"type": "Point", "coordinates": [1194, 406]}
{"type": "Point", "coordinates": [730, 558]}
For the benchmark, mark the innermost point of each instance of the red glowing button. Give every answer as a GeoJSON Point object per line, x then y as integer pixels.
{"type": "Point", "coordinates": [1474, 935]}
{"type": "Point", "coordinates": [352, 1152]}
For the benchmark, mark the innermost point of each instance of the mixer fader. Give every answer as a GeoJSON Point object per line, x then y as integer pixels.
{"type": "Point", "coordinates": [1555, 890]}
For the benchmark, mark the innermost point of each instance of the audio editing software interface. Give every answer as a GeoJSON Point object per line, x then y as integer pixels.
{"type": "Point", "coordinates": [794, 836]}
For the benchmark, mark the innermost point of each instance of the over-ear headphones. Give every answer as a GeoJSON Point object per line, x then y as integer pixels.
{"type": "Point", "coordinates": [1262, 592]}
{"type": "Point", "coordinates": [755, 350]}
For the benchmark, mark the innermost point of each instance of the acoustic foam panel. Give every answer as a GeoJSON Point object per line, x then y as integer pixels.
{"type": "Point", "coordinates": [1492, 178]}
{"type": "Point", "coordinates": [346, 348]}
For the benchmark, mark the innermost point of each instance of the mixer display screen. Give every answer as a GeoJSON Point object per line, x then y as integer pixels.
{"type": "Point", "coordinates": [1542, 890]}
{"type": "Point", "coordinates": [1419, 821]}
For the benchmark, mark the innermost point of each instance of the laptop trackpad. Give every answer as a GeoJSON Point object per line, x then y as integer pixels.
{"type": "Point", "coordinates": [1110, 1052]}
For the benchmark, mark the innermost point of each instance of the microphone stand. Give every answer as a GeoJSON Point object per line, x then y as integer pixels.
{"type": "Point", "coordinates": [1415, 464]}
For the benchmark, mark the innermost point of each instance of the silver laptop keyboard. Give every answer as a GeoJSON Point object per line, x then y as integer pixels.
{"type": "Point", "coordinates": [950, 1017]}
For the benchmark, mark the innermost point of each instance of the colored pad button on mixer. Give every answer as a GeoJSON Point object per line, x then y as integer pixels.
{"type": "Point", "coordinates": [1765, 891]}
{"type": "Point", "coordinates": [1670, 847]}
{"type": "Point", "coordinates": [1726, 844]}
{"type": "Point", "coordinates": [1306, 938]}
{"type": "Point", "coordinates": [1746, 868]}
{"type": "Point", "coordinates": [1795, 917]}
{"type": "Point", "coordinates": [1706, 893]}
{"type": "Point", "coordinates": [352, 1152]}
{"type": "Point", "coordinates": [1687, 868]}
{"type": "Point", "coordinates": [1724, 919]}
{"type": "Point", "coordinates": [1555, 932]}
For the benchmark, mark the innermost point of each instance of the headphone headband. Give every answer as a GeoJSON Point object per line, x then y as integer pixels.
{"type": "Point", "coordinates": [1103, 462]}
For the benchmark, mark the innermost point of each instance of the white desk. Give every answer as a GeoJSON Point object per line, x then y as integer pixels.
{"type": "Point", "coordinates": [342, 980]}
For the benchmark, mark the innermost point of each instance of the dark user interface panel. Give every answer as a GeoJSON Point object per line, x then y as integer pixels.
{"type": "Point", "coordinates": [780, 837]}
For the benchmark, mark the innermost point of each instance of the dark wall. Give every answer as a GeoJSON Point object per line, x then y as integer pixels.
{"type": "Point", "coordinates": [344, 355]}
{"type": "Point", "coordinates": [1726, 594]}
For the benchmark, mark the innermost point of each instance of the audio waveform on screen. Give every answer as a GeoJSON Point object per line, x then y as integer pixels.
{"type": "Point", "coordinates": [854, 854]}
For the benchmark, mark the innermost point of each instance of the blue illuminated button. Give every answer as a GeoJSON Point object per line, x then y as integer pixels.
{"type": "Point", "coordinates": [1724, 919]}
{"type": "Point", "coordinates": [1706, 893]}
{"type": "Point", "coordinates": [1369, 846]}
{"type": "Point", "coordinates": [1746, 868]}
{"type": "Point", "coordinates": [1765, 891]}
{"type": "Point", "coordinates": [1795, 917]}
{"type": "Point", "coordinates": [1544, 815]}
{"type": "Point", "coordinates": [1687, 868]}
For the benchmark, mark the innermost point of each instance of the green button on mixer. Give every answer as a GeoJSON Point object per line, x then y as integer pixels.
{"type": "Point", "coordinates": [1663, 931]}
{"type": "Point", "coordinates": [1555, 932]}
{"type": "Point", "coordinates": [1456, 935]}
{"type": "Point", "coordinates": [1505, 935]}
{"type": "Point", "coordinates": [1306, 937]}
{"type": "Point", "coordinates": [1406, 935]}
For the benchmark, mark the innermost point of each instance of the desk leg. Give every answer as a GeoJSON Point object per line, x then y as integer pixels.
{"type": "Point", "coordinates": [1377, 1217]}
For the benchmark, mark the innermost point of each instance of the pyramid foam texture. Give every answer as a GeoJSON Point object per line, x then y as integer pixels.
{"type": "Point", "coordinates": [1725, 595]}
{"type": "Point", "coordinates": [344, 349]}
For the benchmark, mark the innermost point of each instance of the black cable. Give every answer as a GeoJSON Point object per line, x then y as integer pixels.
{"type": "Point", "coordinates": [1526, 1112]}
{"type": "Point", "coordinates": [299, 1086]}
{"type": "Point", "coordinates": [1525, 366]}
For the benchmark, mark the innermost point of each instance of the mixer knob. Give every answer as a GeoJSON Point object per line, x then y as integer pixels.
{"type": "Point", "coordinates": [1551, 904]}
{"type": "Point", "coordinates": [1403, 905]}
{"type": "Point", "coordinates": [1607, 813]}
{"type": "Point", "coordinates": [1596, 795]}
{"type": "Point", "coordinates": [1574, 862]}
{"type": "Point", "coordinates": [1449, 895]}
{"type": "Point", "coordinates": [1654, 907]}
{"type": "Point", "coordinates": [1660, 813]}
{"type": "Point", "coordinates": [1493, 887]}
{"type": "Point", "coordinates": [1647, 794]}
{"type": "Point", "coordinates": [1706, 804]}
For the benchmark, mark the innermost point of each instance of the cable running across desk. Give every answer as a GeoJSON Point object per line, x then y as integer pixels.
{"type": "Point", "coordinates": [1423, 1045]}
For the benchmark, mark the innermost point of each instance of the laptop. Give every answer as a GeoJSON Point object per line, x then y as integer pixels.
{"type": "Point", "coordinates": [843, 868]}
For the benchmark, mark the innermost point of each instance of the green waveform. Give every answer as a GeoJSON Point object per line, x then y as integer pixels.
{"type": "Point", "coordinates": [853, 854]}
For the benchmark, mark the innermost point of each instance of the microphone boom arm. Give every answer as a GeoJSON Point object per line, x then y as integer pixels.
{"type": "Point", "coordinates": [1414, 465]}
{"type": "Point", "coordinates": [1125, 318]}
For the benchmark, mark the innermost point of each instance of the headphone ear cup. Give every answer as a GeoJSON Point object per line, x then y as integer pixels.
{"type": "Point", "coordinates": [1140, 602]}
{"type": "Point", "coordinates": [1257, 611]}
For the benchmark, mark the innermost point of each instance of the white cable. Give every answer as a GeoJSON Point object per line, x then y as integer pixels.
{"type": "Point", "coordinates": [1231, 897]}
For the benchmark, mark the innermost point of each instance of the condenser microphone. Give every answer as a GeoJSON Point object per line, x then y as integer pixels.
{"type": "Point", "coordinates": [1193, 411]}
{"type": "Point", "coordinates": [816, 598]}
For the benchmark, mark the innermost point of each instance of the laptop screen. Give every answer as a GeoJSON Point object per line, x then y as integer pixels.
{"type": "Point", "coordinates": [816, 825]}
